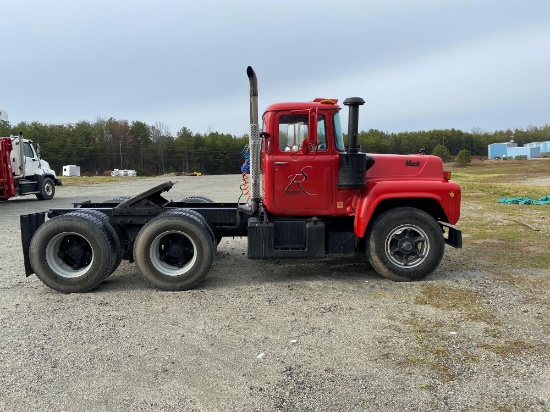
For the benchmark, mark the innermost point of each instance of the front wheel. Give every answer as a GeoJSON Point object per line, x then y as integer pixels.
{"type": "Point", "coordinates": [47, 190]}
{"type": "Point", "coordinates": [405, 244]}
{"type": "Point", "coordinates": [174, 251]}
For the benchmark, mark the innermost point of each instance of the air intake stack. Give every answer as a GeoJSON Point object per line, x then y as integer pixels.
{"type": "Point", "coordinates": [353, 165]}
{"type": "Point", "coordinates": [353, 122]}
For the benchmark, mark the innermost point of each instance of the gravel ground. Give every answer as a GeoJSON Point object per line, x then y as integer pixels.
{"type": "Point", "coordinates": [306, 335]}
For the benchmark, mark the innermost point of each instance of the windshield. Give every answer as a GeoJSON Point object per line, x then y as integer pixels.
{"type": "Point", "coordinates": [338, 137]}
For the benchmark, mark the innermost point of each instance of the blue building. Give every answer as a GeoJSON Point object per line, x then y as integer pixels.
{"type": "Point", "coordinates": [544, 146]}
{"type": "Point", "coordinates": [500, 150]}
{"type": "Point", "coordinates": [511, 149]}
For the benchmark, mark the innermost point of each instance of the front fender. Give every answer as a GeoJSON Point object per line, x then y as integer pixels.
{"type": "Point", "coordinates": [406, 193]}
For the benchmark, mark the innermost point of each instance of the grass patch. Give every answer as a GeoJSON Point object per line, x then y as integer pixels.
{"type": "Point", "coordinates": [503, 179]}
{"type": "Point", "coordinates": [436, 350]}
{"type": "Point", "coordinates": [95, 180]}
{"type": "Point", "coordinates": [534, 287]}
{"type": "Point", "coordinates": [509, 348]}
{"type": "Point", "coordinates": [531, 167]}
{"type": "Point", "coordinates": [464, 301]}
{"type": "Point", "coordinates": [528, 284]}
{"type": "Point", "coordinates": [503, 234]}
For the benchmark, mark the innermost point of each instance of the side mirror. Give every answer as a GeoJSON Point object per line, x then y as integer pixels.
{"type": "Point", "coordinates": [305, 147]}
{"type": "Point", "coordinates": [38, 150]}
{"type": "Point", "coordinates": [312, 126]}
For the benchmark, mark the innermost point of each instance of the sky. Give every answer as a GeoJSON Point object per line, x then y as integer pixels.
{"type": "Point", "coordinates": [479, 65]}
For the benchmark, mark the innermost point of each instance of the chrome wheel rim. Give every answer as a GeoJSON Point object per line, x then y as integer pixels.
{"type": "Point", "coordinates": [173, 253]}
{"type": "Point", "coordinates": [407, 246]}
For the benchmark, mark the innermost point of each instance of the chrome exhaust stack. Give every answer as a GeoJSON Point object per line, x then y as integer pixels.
{"type": "Point", "coordinates": [21, 156]}
{"type": "Point", "coordinates": [253, 146]}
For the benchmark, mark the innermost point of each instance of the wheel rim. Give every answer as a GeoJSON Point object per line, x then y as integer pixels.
{"type": "Point", "coordinates": [407, 246]}
{"type": "Point", "coordinates": [69, 255]}
{"type": "Point", "coordinates": [48, 189]}
{"type": "Point", "coordinates": [173, 253]}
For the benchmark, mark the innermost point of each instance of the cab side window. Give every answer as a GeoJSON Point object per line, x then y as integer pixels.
{"type": "Point", "coordinates": [293, 130]}
{"type": "Point", "coordinates": [321, 134]}
{"type": "Point", "coordinates": [27, 150]}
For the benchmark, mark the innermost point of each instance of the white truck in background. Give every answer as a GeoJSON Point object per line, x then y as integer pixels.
{"type": "Point", "coordinates": [23, 171]}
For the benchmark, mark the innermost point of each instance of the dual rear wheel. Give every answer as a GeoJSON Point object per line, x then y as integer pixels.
{"type": "Point", "coordinates": [77, 251]}
{"type": "Point", "coordinates": [175, 250]}
{"type": "Point", "coordinates": [73, 252]}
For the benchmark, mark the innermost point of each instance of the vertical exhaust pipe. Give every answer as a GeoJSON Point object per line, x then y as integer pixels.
{"type": "Point", "coordinates": [253, 146]}
{"type": "Point", "coordinates": [353, 122]}
{"type": "Point", "coordinates": [253, 80]}
{"type": "Point", "coordinates": [21, 156]}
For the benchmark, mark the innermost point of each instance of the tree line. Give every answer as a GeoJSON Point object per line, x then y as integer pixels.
{"type": "Point", "coordinates": [110, 144]}
{"type": "Point", "coordinates": [475, 142]}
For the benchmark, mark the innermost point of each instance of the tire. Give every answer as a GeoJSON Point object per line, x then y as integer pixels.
{"type": "Point", "coordinates": [197, 199]}
{"type": "Point", "coordinates": [47, 190]}
{"type": "Point", "coordinates": [215, 240]}
{"type": "Point", "coordinates": [405, 244]}
{"type": "Point", "coordinates": [202, 199]}
{"type": "Point", "coordinates": [119, 238]}
{"type": "Point", "coordinates": [72, 253]}
{"type": "Point", "coordinates": [174, 251]}
{"type": "Point", "coordinates": [118, 200]}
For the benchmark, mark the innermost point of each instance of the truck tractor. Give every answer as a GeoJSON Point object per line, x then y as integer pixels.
{"type": "Point", "coordinates": [23, 171]}
{"type": "Point", "coordinates": [310, 195]}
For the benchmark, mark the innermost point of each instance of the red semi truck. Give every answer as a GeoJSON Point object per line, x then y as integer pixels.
{"type": "Point", "coordinates": [311, 196]}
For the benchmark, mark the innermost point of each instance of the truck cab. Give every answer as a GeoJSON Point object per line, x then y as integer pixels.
{"type": "Point", "coordinates": [24, 171]}
{"type": "Point", "coordinates": [321, 196]}
{"type": "Point", "coordinates": [305, 172]}
{"type": "Point", "coordinates": [302, 142]}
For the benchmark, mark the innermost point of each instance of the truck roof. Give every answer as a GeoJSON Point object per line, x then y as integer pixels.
{"type": "Point", "coordinates": [330, 104]}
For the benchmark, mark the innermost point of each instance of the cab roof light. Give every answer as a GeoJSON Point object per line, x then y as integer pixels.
{"type": "Point", "coordinates": [324, 100]}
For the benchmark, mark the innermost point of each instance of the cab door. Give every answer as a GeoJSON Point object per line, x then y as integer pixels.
{"type": "Point", "coordinates": [32, 162]}
{"type": "Point", "coordinates": [303, 179]}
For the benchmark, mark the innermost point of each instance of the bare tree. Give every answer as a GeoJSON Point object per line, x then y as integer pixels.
{"type": "Point", "coordinates": [160, 135]}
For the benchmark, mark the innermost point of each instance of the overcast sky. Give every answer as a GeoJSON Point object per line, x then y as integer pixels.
{"type": "Point", "coordinates": [419, 64]}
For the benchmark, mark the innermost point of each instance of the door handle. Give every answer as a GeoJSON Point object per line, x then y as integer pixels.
{"type": "Point", "coordinates": [281, 163]}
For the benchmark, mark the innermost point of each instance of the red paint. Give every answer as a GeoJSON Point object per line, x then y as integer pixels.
{"type": "Point", "coordinates": [7, 188]}
{"type": "Point", "coordinates": [304, 183]}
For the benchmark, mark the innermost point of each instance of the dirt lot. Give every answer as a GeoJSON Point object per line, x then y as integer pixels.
{"type": "Point", "coordinates": [267, 335]}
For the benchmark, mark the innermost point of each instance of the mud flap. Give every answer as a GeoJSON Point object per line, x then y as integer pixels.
{"type": "Point", "coordinates": [452, 235]}
{"type": "Point", "coordinates": [29, 225]}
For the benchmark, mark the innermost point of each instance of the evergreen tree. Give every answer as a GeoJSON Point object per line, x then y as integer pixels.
{"type": "Point", "coordinates": [463, 157]}
{"type": "Point", "coordinates": [442, 152]}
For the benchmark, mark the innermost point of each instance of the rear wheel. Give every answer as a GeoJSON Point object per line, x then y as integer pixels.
{"type": "Point", "coordinates": [72, 253]}
{"type": "Point", "coordinates": [118, 200]}
{"type": "Point", "coordinates": [119, 238]}
{"type": "Point", "coordinates": [174, 251]}
{"type": "Point", "coordinates": [215, 240]}
{"type": "Point", "coordinates": [202, 199]}
{"type": "Point", "coordinates": [47, 190]}
{"type": "Point", "coordinates": [197, 199]}
{"type": "Point", "coordinates": [405, 244]}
